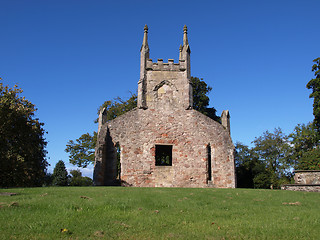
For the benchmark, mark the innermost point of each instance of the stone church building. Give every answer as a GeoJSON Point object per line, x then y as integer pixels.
{"type": "Point", "coordinates": [164, 142]}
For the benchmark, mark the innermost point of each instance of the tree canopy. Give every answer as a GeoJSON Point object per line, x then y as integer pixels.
{"type": "Point", "coordinates": [304, 138]}
{"type": "Point", "coordinates": [268, 163]}
{"type": "Point", "coordinates": [201, 98]}
{"type": "Point", "coordinates": [22, 142]}
{"type": "Point", "coordinates": [60, 174]}
{"type": "Point", "coordinates": [274, 149]}
{"type": "Point", "coordinates": [117, 107]}
{"type": "Point", "coordinates": [78, 180]}
{"type": "Point", "coordinates": [250, 171]}
{"type": "Point", "coordinates": [275, 155]}
{"type": "Point", "coordinates": [314, 85]}
{"type": "Point", "coordinates": [81, 152]}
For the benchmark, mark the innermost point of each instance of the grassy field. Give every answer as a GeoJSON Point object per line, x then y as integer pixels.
{"type": "Point", "coordinates": [158, 213]}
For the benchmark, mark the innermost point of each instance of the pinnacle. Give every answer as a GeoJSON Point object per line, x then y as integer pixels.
{"type": "Point", "coordinates": [185, 29]}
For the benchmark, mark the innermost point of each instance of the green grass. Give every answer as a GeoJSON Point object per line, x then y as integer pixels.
{"type": "Point", "coordinates": [158, 213]}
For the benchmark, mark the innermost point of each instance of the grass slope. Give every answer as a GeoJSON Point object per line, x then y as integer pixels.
{"type": "Point", "coordinates": [158, 213]}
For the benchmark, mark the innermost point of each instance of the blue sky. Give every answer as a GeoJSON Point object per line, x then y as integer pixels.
{"type": "Point", "coordinates": [70, 56]}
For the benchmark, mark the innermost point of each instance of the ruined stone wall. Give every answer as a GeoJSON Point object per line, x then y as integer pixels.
{"type": "Point", "coordinates": [305, 180]}
{"type": "Point", "coordinates": [307, 177]}
{"type": "Point", "coordinates": [188, 131]}
{"type": "Point", "coordinates": [167, 86]}
{"type": "Point", "coordinates": [301, 187]}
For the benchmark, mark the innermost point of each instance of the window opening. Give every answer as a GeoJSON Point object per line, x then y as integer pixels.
{"type": "Point", "coordinates": [163, 155]}
{"type": "Point", "coordinates": [209, 162]}
{"type": "Point", "coordinates": [118, 152]}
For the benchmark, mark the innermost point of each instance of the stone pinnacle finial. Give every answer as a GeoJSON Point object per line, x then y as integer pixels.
{"type": "Point", "coordinates": [145, 38]}
{"type": "Point", "coordinates": [185, 37]}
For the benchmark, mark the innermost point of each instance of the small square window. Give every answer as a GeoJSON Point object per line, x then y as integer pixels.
{"type": "Point", "coordinates": [163, 155]}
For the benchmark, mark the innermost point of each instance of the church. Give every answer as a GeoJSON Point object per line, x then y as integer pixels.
{"type": "Point", "coordinates": [164, 142]}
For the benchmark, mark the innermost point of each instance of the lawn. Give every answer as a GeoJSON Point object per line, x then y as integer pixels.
{"type": "Point", "coordinates": [158, 213]}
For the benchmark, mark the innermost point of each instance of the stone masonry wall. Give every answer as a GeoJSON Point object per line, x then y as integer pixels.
{"type": "Point", "coordinates": [305, 180]}
{"type": "Point", "coordinates": [299, 187]}
{"type": "Point", "coordinates": [307, 177]}
{"type": "Point", "coordinates": [188, 131]}
{"type": "Point", "coordinates": [167, 89]}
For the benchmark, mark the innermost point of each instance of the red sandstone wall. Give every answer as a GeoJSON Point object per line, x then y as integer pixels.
{"type": "Point", "coordinates": [188, 131]}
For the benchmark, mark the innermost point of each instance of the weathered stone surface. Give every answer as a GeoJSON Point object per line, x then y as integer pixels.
{"type": "Point", "coordinates": [202, 149]}
{"type": "Point", "coordinates": [307, 177]}
{"type": "Point", "coordinates": [305, 180]}
{"type": "Point", "coordinates": [302, 187]}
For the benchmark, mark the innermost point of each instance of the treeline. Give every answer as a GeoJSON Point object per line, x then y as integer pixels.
{"type": "Point", "coordinates": [274, 156]}
{"type": "Point", "coordinates": [60, 177]}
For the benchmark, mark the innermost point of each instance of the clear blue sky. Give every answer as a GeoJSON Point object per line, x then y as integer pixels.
{"type": "Point", "coordinates": [70, 56]}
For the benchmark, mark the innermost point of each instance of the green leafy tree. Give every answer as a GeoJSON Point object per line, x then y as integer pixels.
{"type": "Point", "coordinates": [243, 162]}
{"type": "Point", "coordinates": [78, 180]}
{"type": "Point", "coordinates": [314, 85]}
{"type": "Point", "coordinates": [81, 152]}
{"type": "Point", "coordinates": [310, 160]}
{"type": "Point", "coordinates": [250, 171]}
{"type": "Point", "coordinates": [304, 138]}
{"type": "Point", "coordinates": [117, 107]}
{"type": "Point", "coordinates": [22, 144]}
{"type": "Point", "coordinates": [275, 151]}
{"type": "Point", "coordinates": [262, 180]}
{"type": "Point", "coordinates": [76, 173]}
{"type": "Point", "coordinates": [201, 98]}
{"type": "Point", "coordinates": [60, 174]}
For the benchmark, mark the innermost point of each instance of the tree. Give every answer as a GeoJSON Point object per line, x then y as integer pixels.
{"type": "Point", "coordinates": [78, 180]}
{"type": "Point", "coordinates": [117, 107]}
{"type": "Point", "coordinates": [304, 138]}
{"type": "Point", "coordinates": [82, 152]}
{"type": "Point", "coordinates": [60, 174]}
{"type": "Point", "coordinates": [250, 171]}
{"type": "Point", "coordinates": [201, 99]}
{"type": "Point", "coordinates": [48, 179]}
{"type": "Point", "coordinates": [314, 85]}
{"type": "Point", "coordinates": [306, 151]}
{"type": "Point", "coordinates": [243, 164]}
{"type": "Point", "coordinates": [310, 160]}
{"type": "Point", "coordinates": [275, 151]}
{"type": "Point", "coordinates": [22, 142]}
